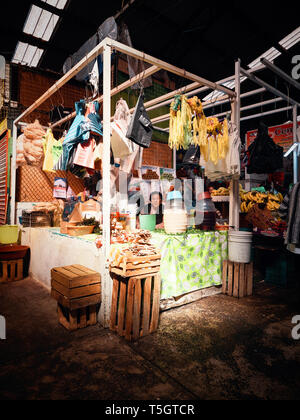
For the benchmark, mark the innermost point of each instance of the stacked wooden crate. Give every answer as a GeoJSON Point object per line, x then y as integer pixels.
{"type": "Point", "coordinates": [237, 279]}
{"type": "Point", "coordinates": [77, 290]}
{"type": "Point", "coordinates": [136, 297]}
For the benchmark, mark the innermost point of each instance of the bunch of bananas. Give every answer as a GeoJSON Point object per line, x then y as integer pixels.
{"type": "Point", "coordinates": [221, 192]}
{"type": "Point", "coordinates": [265, 200]}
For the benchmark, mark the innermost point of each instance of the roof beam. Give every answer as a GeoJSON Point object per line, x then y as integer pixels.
{"type": "Point", "coordinates": [270, 88]}
{"type": "Point", "coordinates": [280, 73]}
{"type": "Point", "coordinates": [168, 67]}
{"type": "Point", "coordinates": [65, 79]}
{"type": "Point", "coordinates": [144, 75]}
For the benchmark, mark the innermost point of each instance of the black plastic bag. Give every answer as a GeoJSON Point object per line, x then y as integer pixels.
{"type": "Point", "coordinates": [192, 156]}
{"type": "Point", "coordinates": [264, 156]}
{"type": "Point", "coordinates": [140, 129]}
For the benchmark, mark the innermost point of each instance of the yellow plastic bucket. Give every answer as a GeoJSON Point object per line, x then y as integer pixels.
{"type": "Point", "coordinates": [9, 234]}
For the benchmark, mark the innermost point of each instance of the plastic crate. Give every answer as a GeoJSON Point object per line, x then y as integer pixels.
{"type": "Point", "coordinates": [282, 269]}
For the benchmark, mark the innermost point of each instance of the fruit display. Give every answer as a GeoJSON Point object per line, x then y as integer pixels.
{"type": "Point", "coordinates": [265, 200]}
{"type": "Point", "coordinates": [221, 192]}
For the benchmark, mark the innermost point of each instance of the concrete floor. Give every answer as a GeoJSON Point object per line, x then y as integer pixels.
{"type": "Point", "coordinates": [216, 348]}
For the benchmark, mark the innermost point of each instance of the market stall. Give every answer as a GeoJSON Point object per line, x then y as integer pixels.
{"type": "Point", "coordinates": [212, 245]}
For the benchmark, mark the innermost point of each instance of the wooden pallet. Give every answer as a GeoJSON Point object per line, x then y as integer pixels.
{"type": "Point", "coordinates": [135, 305]}
{"type": "Point", "coordinates": [138, 266]}
{"type": "Point", "coordinates": [11, 271]}
{"type": "Point", "coordinates": [237, 279]}
{"type": "Point", "coordinates": [77, 319]}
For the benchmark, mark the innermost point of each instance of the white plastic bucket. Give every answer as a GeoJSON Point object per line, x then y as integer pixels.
{"type": "Point", "coordinates": [240, 244]}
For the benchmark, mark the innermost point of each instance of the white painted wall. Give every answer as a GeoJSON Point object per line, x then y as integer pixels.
{"type": "Point", "coordinates": [49, 250]}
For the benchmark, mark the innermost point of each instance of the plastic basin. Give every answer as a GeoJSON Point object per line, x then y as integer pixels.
{"type": "Point", "coordinates": [9, 234]}
{"type": "Point", "coordinates": [148, 222]}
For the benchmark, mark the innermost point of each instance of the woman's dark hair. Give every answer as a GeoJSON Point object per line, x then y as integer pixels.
{"type": "Point", "coordinates": [156, 193]}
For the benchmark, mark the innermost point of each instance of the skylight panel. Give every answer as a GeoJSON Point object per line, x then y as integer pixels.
{"type": "Point", "coordinates": [216, 94]}
{"type": "Point", "coordinates": [291, 40]}
{"type": "Point", "coordinates": [27, 54]}
{"type": "Point", "coordinates": [270, 55]}
{"type": "Point", "coordinates": [59, 4]}
{"type": "Point", "coordinates": [40, 23]}
{"type": "Point", "coordinates": [20, 52]}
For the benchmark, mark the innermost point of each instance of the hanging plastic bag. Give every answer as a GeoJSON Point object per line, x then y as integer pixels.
{"type": "Point", "coordinates": [120, 144]}
{"type": "Point", "coordinates": [48, 146]}
{"type": "Point", "coordinates": [21, 161]}
{"type": "Point", "coordinates": [85, 154]}
{"type": "Point", "coordinates": [192, 156]}
{"type": "Point", "coordinates": [265, 157]}
{"type": "Point", "coordinates": [140, 130]}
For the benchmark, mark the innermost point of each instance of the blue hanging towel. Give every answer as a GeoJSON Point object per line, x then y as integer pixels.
{"type": "Point", "coordinates": [73, 137]}
{"type": "Point", "coordinates": [92, 125]}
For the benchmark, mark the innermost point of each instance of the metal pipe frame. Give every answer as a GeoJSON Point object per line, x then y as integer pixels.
{"type": "Point", "coordinates": [270, 88]}
{"type": "Point", "coordinates": [263, 114]}
{"type": "Point", "coordinates": [246, 108]}
{"type": "Point", "coordinates": [280, 73]}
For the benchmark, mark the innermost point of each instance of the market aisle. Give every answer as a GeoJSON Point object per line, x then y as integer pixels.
{"type": "Point", "coordinates": [218, 347]}
{"type": "Point", "coordinates": [41, 360]}
{"type": "Point", "coordinates": [224, 348]}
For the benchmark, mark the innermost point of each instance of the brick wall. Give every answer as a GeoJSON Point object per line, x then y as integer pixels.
{"type": "Point", "coordinates": [158, 155]}
{"type": "Point", "coordinates": [33, 85]}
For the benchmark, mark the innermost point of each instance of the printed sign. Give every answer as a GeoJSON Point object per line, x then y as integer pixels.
{"type": "Point", "coordinates": [60, 188]}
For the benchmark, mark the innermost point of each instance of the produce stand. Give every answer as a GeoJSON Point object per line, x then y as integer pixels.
{"type": "Point", "coordinates": [98, 259]}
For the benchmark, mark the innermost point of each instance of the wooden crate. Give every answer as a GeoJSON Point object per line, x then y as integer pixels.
{"type": "Point", "coordinates": [77, 319]}
{"type": "Point", "coordinates": [76, 287]}
{"type": "Point", "coordinates": [135, 305]}
{"type": "Point", "coordinates": [138, 266]}
{"type": "Point", "coordinates": [11, 271]}
{"type": "Point", "coordinates": [237, 279]}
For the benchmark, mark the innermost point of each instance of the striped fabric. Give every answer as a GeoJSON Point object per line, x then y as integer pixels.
{"type": "Point", "coordinates": [72, 137]}
{"type": "Point", "coordinates": [82, 129]}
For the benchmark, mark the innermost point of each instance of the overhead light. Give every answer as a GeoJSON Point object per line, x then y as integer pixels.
{"type": "Point", "coordinates": [27, 54]}
{"type": "Point", "coordinates": [291, 40]}
{"type": "Point", "coordinates": [59, 4]}
{"type": "Point", "coordinates": [40, 23]}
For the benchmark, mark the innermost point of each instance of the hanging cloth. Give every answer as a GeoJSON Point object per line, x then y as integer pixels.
{"type": "Point", "coordinates": [57, 150]}
{"type": "Point", "coordinates": [230, 167]}
{"type": "Point", "coordinates": [72, 138]}
{"type": "Point", "coordinates": [91, 126]}
{"type": "Point", "coordinates": [48, 146]}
